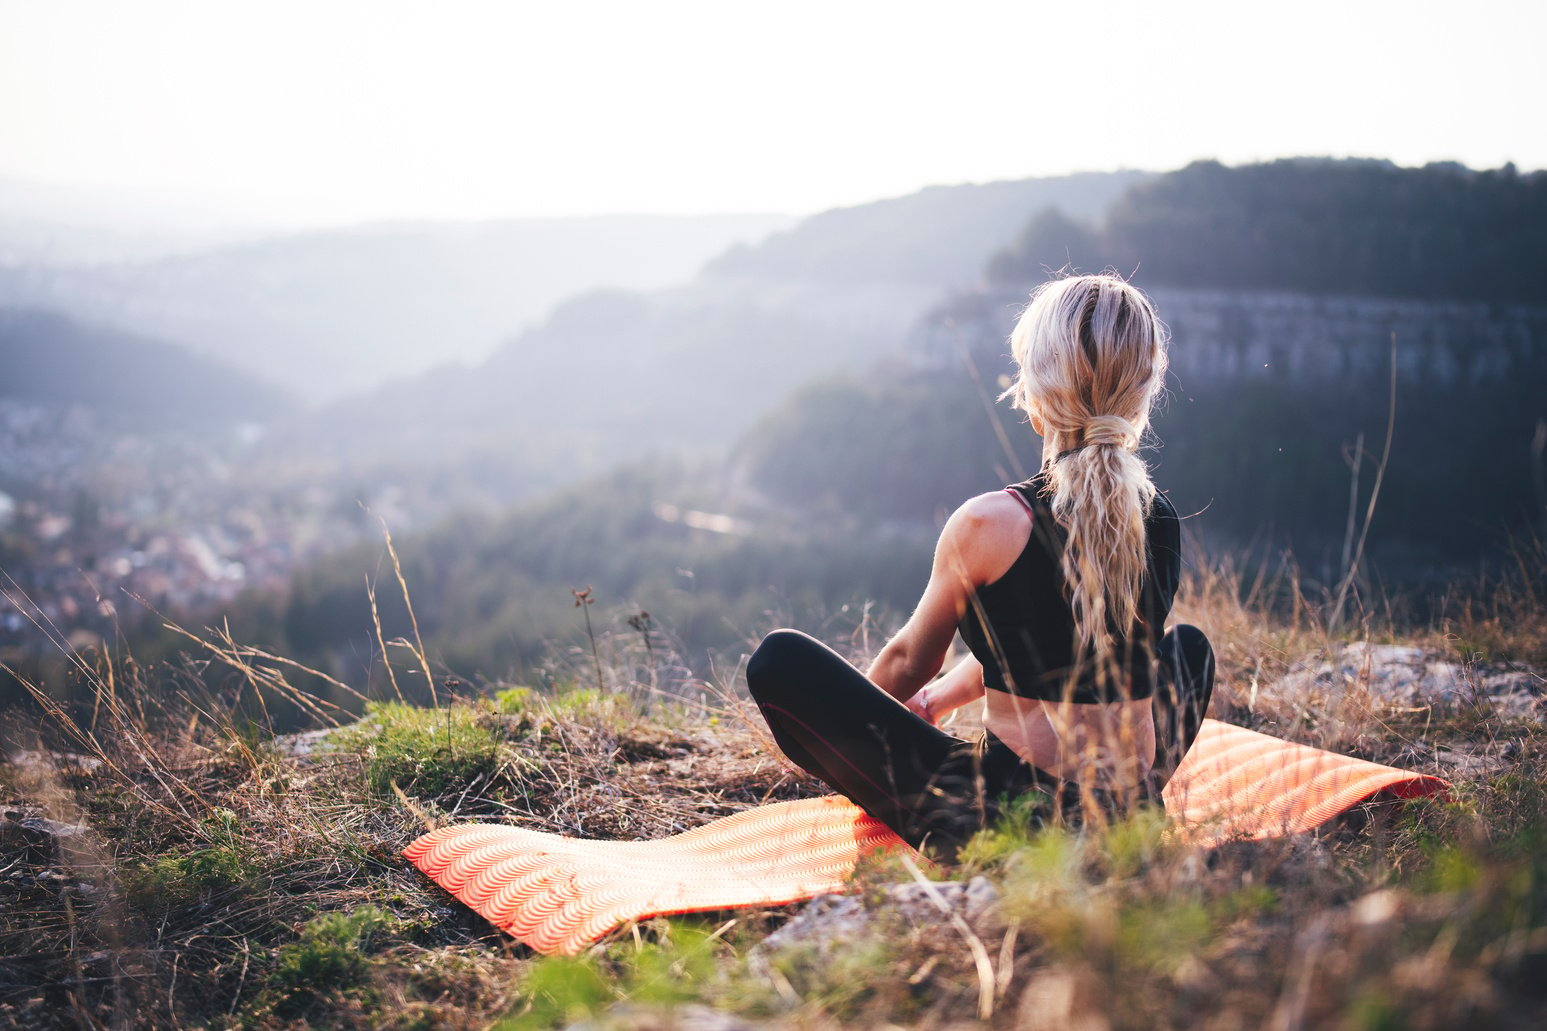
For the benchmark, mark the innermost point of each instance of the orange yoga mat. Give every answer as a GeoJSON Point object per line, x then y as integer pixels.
{"type": "Point", "coordinates": [556, 893]}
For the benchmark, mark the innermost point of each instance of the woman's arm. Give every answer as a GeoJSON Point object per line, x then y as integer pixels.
{"type": "Point", "coordinates": [913, 657]}
{"type": "Point", "coordinates": [980, 541]}
{"type": "Point", "coordinates": [963, 684]}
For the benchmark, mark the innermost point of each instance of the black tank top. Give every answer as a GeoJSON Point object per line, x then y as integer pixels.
{"type": "Point", "coordinates": [1030, 623]}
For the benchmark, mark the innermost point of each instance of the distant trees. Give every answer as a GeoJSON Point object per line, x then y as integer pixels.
{"type": "Point", "coordinates": [494, 597]}
{"type": "Point", "coordinates": [905, 446]}
{"type": "Point", "coordinates": [1051, 241]}
{"type": "Point", "coordinates": [1351, 227]}
{"type": "Point", "coordinates": [1264, 444]}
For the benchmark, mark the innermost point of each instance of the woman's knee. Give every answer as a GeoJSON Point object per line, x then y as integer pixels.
{"type": "Point", "coordinates": [778, 660]}
{"type": "Point", "coordinates": [796, 671]}
{"type": "Point", "coordinates": [1189, 637]}
{"type": "Point", "coordinates": [1188, 650]}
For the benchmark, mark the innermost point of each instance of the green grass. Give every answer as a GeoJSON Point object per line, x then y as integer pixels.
{"type": "Point", "coordinates": [426, 751]}
{"type": "Point", "coordinates": [330, 959]}
{"type": "Point", "coordinates": [680, 966]}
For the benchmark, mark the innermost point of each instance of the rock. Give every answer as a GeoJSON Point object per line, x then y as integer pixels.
{"type": "Point", "coordinates": [1062, 999]}
{"type": "Point", "coordinates": [1376, 909]}
{"type": "Point", "coordinates": [1471, 764]}
{"type": "Point", "coordinates": [304, 744]}
{"type": "Point", "coordinates": [68, 763]}
{"type": "Point", "coordinates": [1401, 675]}
{"type": "Point", "coordinates": [832, 918]}
{"type": "Point", "coordinates": [24, 828]}
{"type": "Point", "coordinates": [632, 1017]}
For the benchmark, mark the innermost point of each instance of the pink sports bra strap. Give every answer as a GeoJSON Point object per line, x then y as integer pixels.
{"type": "Point", "coordinates": [1018, 496]}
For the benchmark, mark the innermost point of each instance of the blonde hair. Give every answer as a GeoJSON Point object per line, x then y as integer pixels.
{"type": "Point", "coordinates": [1091, 358]}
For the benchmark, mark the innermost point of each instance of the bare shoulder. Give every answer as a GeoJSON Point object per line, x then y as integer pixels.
{"type": "Point", "coordinates": [988, 533]}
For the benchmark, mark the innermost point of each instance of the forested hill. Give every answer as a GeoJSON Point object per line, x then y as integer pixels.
{"type": "Point", "coordinates": [1269, 398]}
{"type": "Point", "coordinates": [1355, 228]}
{"type": "Point", "coordinates": [615, 377]}
{"type": "Point", "coordinates": [1290, 289]}
{"type": "Point", "coordinates": [837, 487]}
{"type": "Point", "coordinates": [49, 359]}
{"type": "Point", "coordinates": [937, 237]}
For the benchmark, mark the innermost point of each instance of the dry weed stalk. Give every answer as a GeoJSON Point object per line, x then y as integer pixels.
{"type": "Point", "coordinates": [1353, 553]}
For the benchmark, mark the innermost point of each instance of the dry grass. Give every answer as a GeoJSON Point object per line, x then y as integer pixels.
{"type": "Point", "coordinates": [199, 855]}
{"type": "Point", "coordinates": [211, 875]}
{"type": "Point", "coordinates": [1502, 618]}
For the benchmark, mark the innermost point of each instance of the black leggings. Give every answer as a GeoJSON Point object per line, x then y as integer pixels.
{"type": "Point", "coordinates": [929, 786]}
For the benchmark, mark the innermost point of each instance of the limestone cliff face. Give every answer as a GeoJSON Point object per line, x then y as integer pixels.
{"type": "Point", "coordinates": [1224, 335]}
{"type": "Point", "coordinates": [1305, 339]}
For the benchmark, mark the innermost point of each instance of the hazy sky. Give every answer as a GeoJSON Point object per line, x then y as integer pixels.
{"type": "Point", "coordinates": [337, 111]}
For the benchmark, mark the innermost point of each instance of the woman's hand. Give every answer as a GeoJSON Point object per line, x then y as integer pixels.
{"type": "Point", "coordinates": [920, 705]}
{"type": "Point", "coordinates": [961, 684]}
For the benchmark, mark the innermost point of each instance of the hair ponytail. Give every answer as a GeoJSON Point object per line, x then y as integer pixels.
{"type": "Point", "coordinates": [1091, 356]}
{"type": "Point", "coordinates": [1101, 495]}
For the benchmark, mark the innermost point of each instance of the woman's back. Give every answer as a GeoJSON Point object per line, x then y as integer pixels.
{"type": "Point", "coordinates": [1021, 625]}
{"type": "Point", "coordinates": [1107, 743]}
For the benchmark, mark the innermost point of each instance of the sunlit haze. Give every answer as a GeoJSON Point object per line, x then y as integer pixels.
{"type": "Point", "coordinates": [332, 112]}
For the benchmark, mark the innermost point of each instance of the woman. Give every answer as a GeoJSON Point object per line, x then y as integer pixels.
{"type": "Point", "coordinates": [1060, 586]}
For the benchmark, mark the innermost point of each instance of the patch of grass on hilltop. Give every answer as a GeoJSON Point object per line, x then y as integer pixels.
{"type": "Point", "coordinates": [217, 877]}
{"type": "Point", "coordinates": [427, 751]}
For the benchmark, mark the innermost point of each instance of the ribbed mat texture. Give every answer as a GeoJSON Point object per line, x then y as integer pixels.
{"type": "Point", "coordinates": [1238, 784]}
{"type": "Point", "coordinates": [556, 893]}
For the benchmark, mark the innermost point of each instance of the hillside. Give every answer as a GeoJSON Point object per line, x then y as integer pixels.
{"type": "Point", "coordinates": [1268, 396]}
{"type": "Point", "coordinates": [1285, 286]}
{"type": "Point", "coordinates": [618, 375]}
{"type": "Point", "coordinates": [51, 359]}
{"type": "Point", "coordinates": [329, 313]}
{"type": "Point", "coordinates": [1272, 395]}
{"type": "Point", "coordinates": [840, 422]}
{"type": "Point", "coordinates": [934, 239]}
{"type": "Point", "coordinates": [919, 279]}
{"type": "Point", "coordinates": [493, 594]}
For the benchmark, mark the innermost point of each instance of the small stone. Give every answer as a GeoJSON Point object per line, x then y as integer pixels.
{"type": "Point", "coordinates": [831, 918]}
{"type": "Point", "coordinates": [631, 1017]}
{"type": "Point", "coordinates": [62, 762]}
{"type": "Point", "coordinates": [1401, 675]}
{"type": "Point", "coordinates": [1376, 908]}
{"type": "Point", "coordinates": [304, 744]}
{"type": "Point", "coordinates": [25, 831]}
{"type": "Point", "coordinates": [1062, 1000]}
